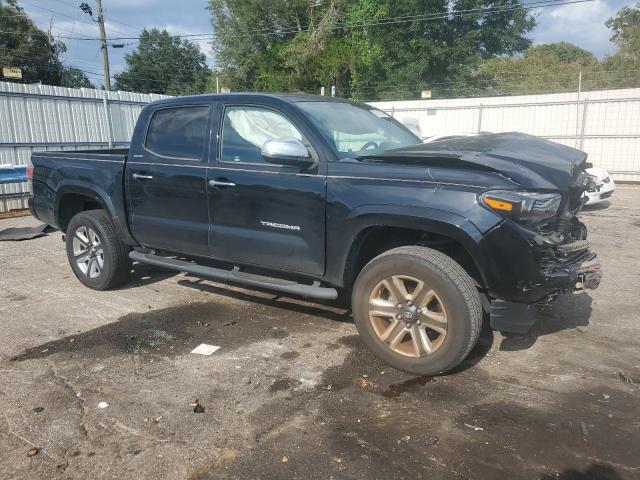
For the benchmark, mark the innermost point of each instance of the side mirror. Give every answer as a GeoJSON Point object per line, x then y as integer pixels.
{"type": "Point", "coordinates": [286, 151]}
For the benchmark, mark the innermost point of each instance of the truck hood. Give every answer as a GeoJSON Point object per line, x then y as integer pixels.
{"type": "Point", "coordinates": [532, 162]}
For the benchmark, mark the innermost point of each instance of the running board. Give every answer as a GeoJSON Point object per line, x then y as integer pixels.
{"type": "Point", "coordinates": [236, 276]}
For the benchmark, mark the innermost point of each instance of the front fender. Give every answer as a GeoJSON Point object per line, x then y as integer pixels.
{"type": "Point", "coordinates": [426, 219]}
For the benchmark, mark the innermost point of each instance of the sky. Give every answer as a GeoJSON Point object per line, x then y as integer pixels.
{"type": "Point", "coordinates": [579, 23]}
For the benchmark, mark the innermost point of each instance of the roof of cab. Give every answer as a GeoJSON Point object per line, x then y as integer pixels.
{"type": "Point", "coordinates": [256, 96]}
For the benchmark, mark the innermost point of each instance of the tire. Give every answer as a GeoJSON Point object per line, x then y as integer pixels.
{"type": "Point", "coordinates": [395, 331]}
{"type": "Point", "coordinates": [104, 260]}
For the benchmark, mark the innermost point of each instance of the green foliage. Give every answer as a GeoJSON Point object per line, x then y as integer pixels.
{"type": "Point", "coordinates": [546, 68]}
{"type": "Point", "coordinates": [28, 48]}
{"type": "Point", "coordinates": [557, 67]}
{"type": "Point", "coordinates": [164, 64]}
{"type": "Point", "coordinates": [563, 52]}
{"type": "Point", "coordinates": [625, 27]}
{"type": "Point", "coordinates": [300, 46]}
{"type": "Point", "coordinates": [74, 78]}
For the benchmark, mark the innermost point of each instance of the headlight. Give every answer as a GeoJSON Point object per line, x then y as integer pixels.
{"type": "Point", "coordinates": [526, 207]}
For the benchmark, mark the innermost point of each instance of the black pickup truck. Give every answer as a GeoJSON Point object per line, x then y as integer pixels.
{"type": "Point", "coordinates": [330, 199]}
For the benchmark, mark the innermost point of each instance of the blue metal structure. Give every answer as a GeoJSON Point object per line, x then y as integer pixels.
{"type": "Point", "coordinates": [13, 174]}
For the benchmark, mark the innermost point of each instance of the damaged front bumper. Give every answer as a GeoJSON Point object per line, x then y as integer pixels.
{"type": "Point", "coordinates": [572, 267]}
{"type": "Point", "coordinates": [533, 269]}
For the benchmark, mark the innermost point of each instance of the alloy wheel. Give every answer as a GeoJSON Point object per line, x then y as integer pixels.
{"type": "Point", "coordinates": [408, 316]}
{"type": "Point", "coordinates": [88, 252]}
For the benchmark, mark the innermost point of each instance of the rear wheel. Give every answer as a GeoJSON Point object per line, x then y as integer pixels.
{"type": "Point", "coordinates": [417, 310]}
{"type": "Point", "coordinates": [97, 256]}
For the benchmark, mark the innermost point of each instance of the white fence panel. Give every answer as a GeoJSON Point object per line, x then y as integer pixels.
{"type": "Point", "coordinates": [42, 117]}
{"type": "Point", "coordinates": [605, 124]}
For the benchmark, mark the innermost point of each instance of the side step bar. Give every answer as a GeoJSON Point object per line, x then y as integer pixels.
{"type": "Point", "coordinates": [236, 276]}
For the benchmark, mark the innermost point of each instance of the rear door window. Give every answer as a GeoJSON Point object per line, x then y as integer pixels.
{"type": "Point", "coordinates": [178, 132]}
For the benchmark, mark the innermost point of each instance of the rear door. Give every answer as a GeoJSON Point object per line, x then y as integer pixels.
{"type": "Point", "coordinates": [264, 214]}
{"type": "Point", "coordinates": [166, 180]}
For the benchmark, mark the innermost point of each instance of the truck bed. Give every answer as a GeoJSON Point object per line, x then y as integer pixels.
{"type": "Point", "coordinates": [97, 174]}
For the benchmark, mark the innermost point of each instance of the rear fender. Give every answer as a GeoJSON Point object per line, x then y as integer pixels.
{"type": "Point", "coordinates": [100, 196]}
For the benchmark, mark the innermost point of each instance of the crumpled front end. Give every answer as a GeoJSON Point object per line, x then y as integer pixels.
{"type": "Point", "coordinates": [536, 263]}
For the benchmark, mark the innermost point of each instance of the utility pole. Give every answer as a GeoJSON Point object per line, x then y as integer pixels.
{"type": "Point", "coordinates": [104, 46]}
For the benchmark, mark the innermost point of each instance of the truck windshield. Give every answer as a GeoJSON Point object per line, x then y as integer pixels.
{"type": "Point", "coordinates": [357, 130]}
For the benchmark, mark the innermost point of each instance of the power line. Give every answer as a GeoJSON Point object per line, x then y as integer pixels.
{"type": "Point", "coordinates": [384, 21]}
{"type": "Point", "coordinates": [475, 80]}
{"type": "Point", "coordinates": [392, 20]}
{"type": "Point", "coordinates": [75, 19]}
{"type": "Point", "coordinates": [566, 80]}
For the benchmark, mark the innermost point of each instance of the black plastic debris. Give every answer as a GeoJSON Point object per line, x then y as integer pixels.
{"type": "Point", "coordinates": [197, 406]}
{"type": "Point", "coordinates": [17, 234]}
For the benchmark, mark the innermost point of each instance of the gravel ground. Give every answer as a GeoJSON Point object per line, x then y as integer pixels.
{"type": "Point", "coordinates": [292, 393]}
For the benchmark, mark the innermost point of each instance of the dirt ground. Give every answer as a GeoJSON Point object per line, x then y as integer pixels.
{"type": "Point", "coordinates": [292, 393]}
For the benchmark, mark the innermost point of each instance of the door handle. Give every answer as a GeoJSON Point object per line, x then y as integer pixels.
{"type": "Point", "coordinates": [221, 183]}
{"type": "Point", "coordinates": [138, 176]}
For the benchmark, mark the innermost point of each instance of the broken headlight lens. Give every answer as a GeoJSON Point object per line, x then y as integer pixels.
{"type": "Point", "coordinates": [525, 207]}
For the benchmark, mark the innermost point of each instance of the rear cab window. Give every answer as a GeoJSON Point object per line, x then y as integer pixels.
{"type": "Point", "coordinates": [178, 132]}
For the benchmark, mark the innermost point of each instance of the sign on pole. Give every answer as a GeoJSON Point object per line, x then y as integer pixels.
{"type": "Point", "coordinates": [11, 72]}
{"type": "Point", "coordinates": [425, 94]}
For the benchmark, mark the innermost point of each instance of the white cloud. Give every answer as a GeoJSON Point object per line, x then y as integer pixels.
{"type": "Point", "coordinates": [579, 23]}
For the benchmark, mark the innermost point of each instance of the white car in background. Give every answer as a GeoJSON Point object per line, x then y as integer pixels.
{"type": "Point", "coordinates": [604, 186]}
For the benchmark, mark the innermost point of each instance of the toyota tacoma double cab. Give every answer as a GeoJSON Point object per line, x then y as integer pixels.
{"type": "Point", "coordinates": [330, 199]}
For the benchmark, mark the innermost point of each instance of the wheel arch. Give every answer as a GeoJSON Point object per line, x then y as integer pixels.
{"type": "Point", "coordinates": [74, 197]}
{"type": "Point", "coordinates": [378, 231]}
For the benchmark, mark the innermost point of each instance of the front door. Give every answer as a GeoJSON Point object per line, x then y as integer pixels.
{"type": "Point", "coordinates": [166, 180]}
{"type": "Point", "coordinates": [263, 214]}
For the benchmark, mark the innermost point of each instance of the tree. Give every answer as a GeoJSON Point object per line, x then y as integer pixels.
{"type": "Point", "coordinates": [621, 68]}
{"type": "Point", "coordinates": [625, 27]}
{"type": "Point", "coordinates": [300, 46]}
{"type": "Point", "coordinates": [553, 67]}
{"type": "Point", "coordinates": [564, 52]}
{"type": "Point", "coordinates": [438, 55]}
{"type": "Point", "coordinates": [25, 46]}
{"type": "Point", "coordinates": [164, 64]}
{"type": "Point", "coordinates": [74, 78]}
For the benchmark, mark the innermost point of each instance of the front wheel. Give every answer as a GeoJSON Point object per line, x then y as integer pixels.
{"type": "Point", "coordinates": [417, 310]}
{"type": "Point", "coordinates": [96, 254]}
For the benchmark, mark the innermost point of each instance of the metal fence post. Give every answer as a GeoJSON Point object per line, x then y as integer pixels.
{"type": "Point", "coordinates": [107, 119]}
{"type": "Point", "coordinates": [578, 106]}
{"type": "Point", "coordinates": [480, 118]}
{"type": "Point", "coordinates": [583, 127]}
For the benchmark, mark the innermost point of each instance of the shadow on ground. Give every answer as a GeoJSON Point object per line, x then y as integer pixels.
{"type": "Point", "coordinates": [598, 206]}
{"type": "Point", "coordinates": [596, 471]}
{"type": "Point", "coordinates": [143, 274]}
{"type": "Point", "coordinates": [177, 330]}
{"type": "Point", "coordinates": [319, 309]}
{"type": "Point", "coordinates": [567, 312]}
